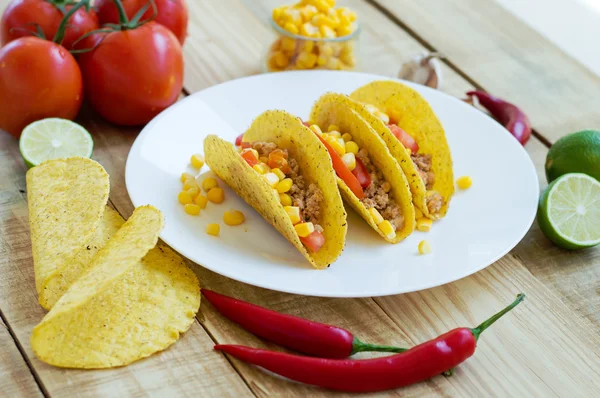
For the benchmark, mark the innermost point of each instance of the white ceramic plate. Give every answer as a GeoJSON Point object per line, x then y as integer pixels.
{"type": "Point", "coordinates": [483, 223]}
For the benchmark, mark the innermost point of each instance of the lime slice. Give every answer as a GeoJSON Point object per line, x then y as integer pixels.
{"type": "Point", "coordinates": [569, 211]}
{"type": "Point", "coordinates": [52, 139]}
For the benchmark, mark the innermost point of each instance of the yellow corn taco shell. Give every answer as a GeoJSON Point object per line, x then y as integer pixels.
{"type": "Point", "coordinates": [333, 109]}
{"type": "Point", "coordinates": [287, 132]}
{"type": "Point", "coordinates": [66, 202]}
{"type": "Point", "coordinates": [414, 115]}
{"type": "Point", "coordinates": [133, 300]}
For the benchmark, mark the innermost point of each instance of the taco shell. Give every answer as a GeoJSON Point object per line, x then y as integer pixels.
{"type": "Point", "coordinates": [333, 109]}
{"type": "Point", "coordinates": [288, 132]}
{"type": "Point", "coordinates": [413, 114]}
{"type": "Point", "coordinates": [133, 300]}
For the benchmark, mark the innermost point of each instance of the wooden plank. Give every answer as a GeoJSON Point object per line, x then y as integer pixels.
{"type": "Point", "coordinates": [187, 367]}
{"type": "Point", "coordinates": [16, 380]}
{"type": "Point", "coordinates": [362, 315]}
{"type": "Point", "coordinates": [508, 58]}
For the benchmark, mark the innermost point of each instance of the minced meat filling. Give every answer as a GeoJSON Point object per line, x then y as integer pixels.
{"type": "Point", "coordinates": [307, 199]}
{"type": "Point", "coordinates": [423, 163]}
{"type": "Point", "coordinates": [378, 194]}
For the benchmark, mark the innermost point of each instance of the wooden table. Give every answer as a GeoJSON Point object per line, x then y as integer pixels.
{"type": "Point", "coordinates": [549, 346]}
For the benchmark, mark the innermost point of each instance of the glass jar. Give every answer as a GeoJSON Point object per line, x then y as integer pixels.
{"type": "Point", "coordinates": [295, 52]}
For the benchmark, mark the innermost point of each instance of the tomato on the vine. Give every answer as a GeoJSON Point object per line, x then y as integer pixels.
{"type": "Point", "coordinates": [172, 14]}
{"type": "Point", "coordinates": [132, 74]}
{"type": "Point", "coordinates": [23, 18]}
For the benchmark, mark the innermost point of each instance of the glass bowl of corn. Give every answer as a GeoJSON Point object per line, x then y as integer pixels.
{"type": "Point", "coordinates": [313, 34]}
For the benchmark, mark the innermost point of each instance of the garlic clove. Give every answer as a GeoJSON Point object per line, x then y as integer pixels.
{"type": "Point", "coordinates": [424, 68]}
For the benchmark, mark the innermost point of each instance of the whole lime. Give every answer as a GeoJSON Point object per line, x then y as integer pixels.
{"type": "Point", "coordinates": [575, 153]}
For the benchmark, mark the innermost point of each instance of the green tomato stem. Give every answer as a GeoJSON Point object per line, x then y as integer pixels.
{"type": "Point", "coordinates": [62, 28]}
{"type": "Point", "coordinates": [123, 20]}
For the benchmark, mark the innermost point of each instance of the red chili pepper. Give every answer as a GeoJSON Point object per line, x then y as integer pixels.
{"type": "Point", "coordinates": [417, 364]}
{"type": "Point", "coordinates": [298, 334]}
{"type": "Point", "coordinates": [239, 139]}
{"type": "Point", "coordinates": [507, 114]}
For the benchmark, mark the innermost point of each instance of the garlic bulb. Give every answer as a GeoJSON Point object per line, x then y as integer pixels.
{"type": "Point", "coordinates": [424, 68]}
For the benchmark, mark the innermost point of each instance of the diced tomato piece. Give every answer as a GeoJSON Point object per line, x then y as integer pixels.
{"type": "Point", "coordinates": [246, 145]}
{"type": "Point", "coordinates": [238, 140]}
{"type": "Point", "coordinates": [361, 173]}
{"type": "Point", "coordinates": [278, 159]}
{"type": "Point", "coordinates": [404, 138]}
{"type": "Point", "coordinates": [313, 241]}
{"type": "Point", "coordinates": [250, 158]}
{"type": "Point", "coordinates": [343, 171]}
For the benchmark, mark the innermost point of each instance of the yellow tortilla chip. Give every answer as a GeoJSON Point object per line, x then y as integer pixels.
{"type": "Point", "coordinates": [288, 132]}
{"type": "Point", "coordinates": [414, 115]}
{"type": "Point", "coordinates": [131, 302]}
{"type": "Point", "coordinates": [66, 201]}
{"type": "Point", "coordinates": [332, 109]}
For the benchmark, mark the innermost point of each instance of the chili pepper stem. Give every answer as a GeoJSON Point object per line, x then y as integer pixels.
{"type": "Point", "coordinates": [359, 346]}
{"type": "Point", "coordinates": [489, 322]}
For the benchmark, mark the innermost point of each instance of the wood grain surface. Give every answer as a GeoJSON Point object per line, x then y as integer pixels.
{"type": "Point", "coordinates": [548, 346]}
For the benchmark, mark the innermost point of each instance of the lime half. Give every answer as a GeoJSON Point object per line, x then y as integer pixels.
{"type": "Point", "coordinates": [569, 211]}
{"type": "Point", "coordinates": [54, 138]}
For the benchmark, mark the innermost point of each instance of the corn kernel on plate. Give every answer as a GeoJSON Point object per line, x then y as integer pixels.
{"type": "Point", "coordinates": [482, 224]}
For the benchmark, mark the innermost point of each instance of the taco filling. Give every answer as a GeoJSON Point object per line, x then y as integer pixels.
{"type": "Point", "coordinates": [375, 192]}
{"type": "Point", "coordinates": [423, 162]}
{"type": "Point", "coordinates": [301, 201]}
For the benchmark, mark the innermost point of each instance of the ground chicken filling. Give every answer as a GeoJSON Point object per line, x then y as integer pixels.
{"type": "Point", "coordinates": [307, 197]}
{"type": "Point", "coordinates": [423, 163]}
{"type": "Point", "coordinates": [378, 194]}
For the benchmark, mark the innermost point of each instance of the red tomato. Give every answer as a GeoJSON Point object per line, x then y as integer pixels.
{"type": "Point", "coordinates": [172, 14]}
{"type": "Point", "coordinates": [404, 138]}
{"type": "Point", "coordinates": [313, 241]}
{"type": "Point", "coordinates": [343, 171]}
{"type": "Point", "coordinates": [132, 75]}
{"type": "Point", "coordinates": [21, 16]}
{"type": "Point", "coordinates": [361, 173]}
{"type": "Point", "coordinates": [246, 145]}
{"type": "Point", "coordinates": [238, 140]}
{"type": "Point", "coordinates": [250, 158]}
{"type": "Point", "coordinates": [38, 79]}
{"type": "Point", "coordinates": [278, 159]}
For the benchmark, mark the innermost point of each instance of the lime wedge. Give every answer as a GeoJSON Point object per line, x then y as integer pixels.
{"type": "Point", "coordinates": [569, 211]}
{"type": "Point", "coordinates": [52, 139]}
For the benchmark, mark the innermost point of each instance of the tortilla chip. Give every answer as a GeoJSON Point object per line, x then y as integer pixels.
{"type": "Point", "coordinates": [332, 109]}
{"type": "Point", "coordinates": [415, 116]}
{"type": "Point", "coordinates": [132, 302]}
{"type": "Point", "coordinates": [66, 201]}
{"type": "Point", "coordinates": [288, 132]}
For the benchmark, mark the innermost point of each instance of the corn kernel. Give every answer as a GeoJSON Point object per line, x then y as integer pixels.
{"type": "Point", "coordinates": [192, 209]}
{"type": "Point", "coordinates": [216, 195]}
{"type": "Point", "coordinates": [309, 30]}
{"type": "Point", "coordinates": [408, 151]}
{"type": "Point", "coordinates": [194, 191]}
{"type": "Point", "coordinates": [334, 134]}
{"type": "Point", "coordinates": [333, 127]}
{"type": "Point", "coordinates": [284, 185]}
{"type": "Point", "coordinates": [351, 147]}
{"type": "Point", "coordinates": [307, 12]}
{"type": "Point", "coordinates": [350, 61]}
{"type": "Point", "coordinates": [424, 247]}
{"type": "Point", "coordinates": [277, 171]}
{"type": "Point", "coordinates": [213, 229]}
{"type": "Point", "coordinates": [254, 152]}
{"type": "Point", "coordinates": [316, 129]}
{"type": "Point", "coordinates": [327, 32]}
{"type": "Point", "coordinates": [264, 159]}
{"type": "Point", "coordinates": [209, 183]}
{"type": "Point", "coordinates": [201, 201]}
{"type": "Point", "coordinates": [280, 59]}
{"type": "Point", "coordinates": [372, 108]}
{"type": "Point", "coordinates": [336, 145]}
{"type": "Point", "coordinates": [326, 50]}
{"type": "Point", "coordinates": [346, 13]}
{"type": "Point", "coordinates": [322, 20]}
{"type": "Point", "coordinates": [294, 213]}
{"type": "Point", "coordinates": [288, 44]}
{"type": "Point", "coordinates": [261, 168]}
{"type": "Point", "coordinates": [184, 197]}
{"type": "Point", "coordinates": [464, 182]}
{"type": "Point", "coordinates": [321, 5]}
{"type": "Point", "coordinates": [349, 160]}
{"type": "Point", "coordinates": [276, 14]}
{"type": "Point", "coordinates": [308, 60]}
{"type": "Point", "coordinates": [185, 177]}
{"type": "Point", "coordinates": [233, 217]}
{"type": "Point", "coordinates": [346, 137]}
{"type": "Point", "coordinates": [384, 117]}
{"type": "Point", "coordinates": [344, 30]}
{"type": "Point", "coordinates": [304, 229]}
{"type": "Point", "coordinates": [321, 60]}
{"type": "Point", "coordinates": [386, 186]}
{"type": "Point", "coordinates": [423, 224]}
{"type": "Point", "coordinates": [197, 161]}
{"type": "Point", "coordinates": [291, 15]}
{"type": "Point", "coordinates": [308, 46]}
{"type": "Point", "coordinates": [290, 27]}
{"type": "Point", "coordinates": [190, 184]}
{"type": "Point", "coordinates": [333, 64]}
{"type": "Point", "coordinates": [285, 199]}
{"type": "Point", "coordinates": [387, 229]}
{"type": "Point", "coordinates": [377, 217]}
{"type": "Point", "coordinates": [271, 179]}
